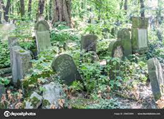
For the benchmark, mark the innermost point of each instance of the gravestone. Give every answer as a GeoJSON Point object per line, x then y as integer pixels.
{"type": "Point", "coordinates": [34, 101]}
{"type": "Point", "coordinates": [5, 30]}
{"type": "Point", "coordinates": [139, 34]}
{"type": "Point", "coordinates": [156, 77]}
{"type": "Point", "coordinates": [116, 49]}
{"type": "Point", "coordinates": [52, 94]}
{"type": "Point", "coordinates": [66, 69]}
{"type": "Point", "coordinates": [124, 36]}
{"type": "Point", "coordinates": [20, 63]}
{"type": "Point", "coordinates": [42, 35]}
{"type": "Point", "coordinates": [89, 42]}
{"type": "Point", "coordinates": [12, 41]}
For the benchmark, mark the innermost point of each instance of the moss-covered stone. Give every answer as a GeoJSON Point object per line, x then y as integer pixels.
{"type": "Point", "coordinates": [139, 35]}
{"type": "Point", "coordinates": [140, 22]}
{"type": "Point", "coordinates": [156, 77]}
{"type": "Point", "coordinates": [126, 43]}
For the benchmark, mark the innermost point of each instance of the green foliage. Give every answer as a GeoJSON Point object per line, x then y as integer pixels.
{"type": "Point", "coordinates": [120, 72]}
{"type": "Point", "coordinates": [4, 55]}
{"type": "Point", "coordinates": [4, 81]}
{"type": "Point", "coordinates": [63, 33]}
{"type": "Point", "coordinates": [41, 69]}
{"type": "Point", "coordinates": [106, 104]}
{"type": "Point", "coordinates": [92, 77]}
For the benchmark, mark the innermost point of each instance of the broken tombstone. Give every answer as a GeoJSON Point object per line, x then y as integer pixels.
{"type": "Point", "coordinates": [21, 63]}
{"type": "Point", "coordinates": [52, 93]}
{"type": "Point", "coordinates": [34, 101]}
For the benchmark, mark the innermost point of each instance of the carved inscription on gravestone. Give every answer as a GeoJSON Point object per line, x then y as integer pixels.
{"type": "Point", "coordinates": [142, 38]}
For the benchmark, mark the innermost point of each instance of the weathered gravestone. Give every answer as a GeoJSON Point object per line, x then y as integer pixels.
{"type": "Point", "coordinates": [66, 69]}
{"type": "Point", "coordinates": [89, 42]}
{"type": "Point", "coordinates": [116, 49]}
{"type": "Point", "coordinates": [5, 30]}
{"type": "Point", "coordinates": [12, 41]}
{"type": "Point", "coordinates": [34, 101]}
{"type": "Point", "coordinates": [20, 63]}
{"type": "Point", "coordinates": [122, 47]}
{"type": "Point", "coordinates": [52, 94]}
{"type": "Point", "coordinates": [156, 77]}
{"type": "Point", "coordinates": [139, 34]}
{"type": "Point", "coordinates": [42, 35]}
{"type": "Point", "coordinates": [124, 36]}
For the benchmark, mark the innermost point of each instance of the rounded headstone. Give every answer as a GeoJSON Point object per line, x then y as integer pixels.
{"type": "Point", "coordinates": [66, 69]}
{"type": "Point", "coordinates": [42, 26]}
{"type": "Point", "coordinates": [89, 42]}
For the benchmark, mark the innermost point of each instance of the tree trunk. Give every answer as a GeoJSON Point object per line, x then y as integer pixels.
{"type": "Point", "coordinates": [50, 9]}
{"type": "Point", "coordinates": [22, 8]}
{"type": "Point", "coordinates": [126, 6]}
{"type": "Point", "coordinates": [121, 4]}
{"type": "Point", "coordinates": [1, 9]}
{"type": "Point", "coordinates": [29, 8]}
{"type": "Point", "coordinates": [159, 20]}
{"type": "Point", "coordinates": [41, 7]}
{"type": "Point", "coordinates": [6, 10]}
{"type": "Point", "coordinates": [46, 7]}
{"type": "Point", "coordinates": [142, 11]}
{"type": "Point", "coordinates": [62, 11]}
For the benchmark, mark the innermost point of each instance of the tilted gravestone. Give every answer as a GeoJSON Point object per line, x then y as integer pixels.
{"type": "Point", "coordinates": [66, 69]}
{"type": "Point", "coordinates": [156, 77]}
{"type": "Point", "coordinates": [124, 36]}
{"type": "Point", "coordinates": [89, 42]}
{"type": "Point", "coordinates": [20, 63]}
{"type": "Point", "coordinates": [42, 35]}
{"type": "Point", "coordinates": [139, 34]}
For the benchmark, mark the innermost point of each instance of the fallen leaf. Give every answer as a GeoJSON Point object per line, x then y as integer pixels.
{"type": "Point", "coordinates": [160, 104]}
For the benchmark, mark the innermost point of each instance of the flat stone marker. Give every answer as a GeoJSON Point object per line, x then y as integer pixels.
{"type": "Point", "coordinates": [42, 35]}
{"type": "Point", "coordinates": [139, 35]}
{"type": "Point", "coordinates": [20, 63]}
{"type": "Point", "coordinates": [66, 69]}
{"type": "Point", "coordinates": [156, 77]}
{"type": "Point", "coordinates": [124, 36]}
{"type": "Point", "coordinates": [89, 42]}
